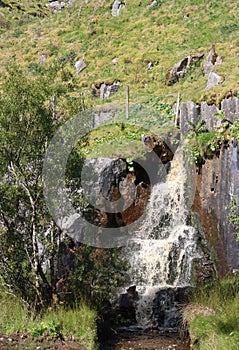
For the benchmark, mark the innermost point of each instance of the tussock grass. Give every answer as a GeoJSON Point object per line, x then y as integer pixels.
{"type": "Point", "coordinates": [213, 316]}
{"type": "Point", "coordinates": [78, 323]}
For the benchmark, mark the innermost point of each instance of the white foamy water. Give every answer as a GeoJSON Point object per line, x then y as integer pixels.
{"type": "Point", "coordinates": [164, 247]}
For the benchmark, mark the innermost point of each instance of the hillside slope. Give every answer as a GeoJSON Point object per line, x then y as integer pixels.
{"type": "Point", "coordinates": [136, 48]}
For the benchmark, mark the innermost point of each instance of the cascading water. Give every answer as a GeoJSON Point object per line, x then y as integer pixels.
{"type": "Point", "coordinates": [162, 251]}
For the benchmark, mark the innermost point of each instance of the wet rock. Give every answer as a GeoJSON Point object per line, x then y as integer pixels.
{"type": "Point", "coordinates": [126, 308]}
{"type": "Point", "coordinates": [217, 183]}
{"type": "Point", "coordinates": [167, 306]}
{"type": "Point", "coordinates": [181, 68]}
{"type": "Point", "coordinates": [213, 80]}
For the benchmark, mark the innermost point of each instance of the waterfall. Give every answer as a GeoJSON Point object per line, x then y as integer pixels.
{"type": "Point", "coordinates": [162, 251]}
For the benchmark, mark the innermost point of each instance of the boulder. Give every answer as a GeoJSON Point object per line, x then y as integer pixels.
{"type": "Point", "coordinates": [126, 308]}
{"type": "Point", "coordinates": [80, 65]}
{"type": "Point", "coordinates": [117, 7]}
{"type": "Point", "coordinates": [213, 80]}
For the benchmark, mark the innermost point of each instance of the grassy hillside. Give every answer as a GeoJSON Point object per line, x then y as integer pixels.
{"type": "Point", "coordinates": [162, 35]}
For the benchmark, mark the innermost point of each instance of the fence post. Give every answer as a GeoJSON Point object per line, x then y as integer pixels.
{"type": "Point", "coordinates": [127, 102]}
{"type": "Point", "coordinates": [177, 110]}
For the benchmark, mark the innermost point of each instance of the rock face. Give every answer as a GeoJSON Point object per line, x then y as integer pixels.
{"type": "Point", "coordinates": [190, 113]}
{"type": "Point", "coordinates": [216, 184]}
{"type": "Point", "coordinates": [105, 90]}
{"type": "Point", "coordinates": [119, 190]}
{"type": "Point", "coordinates": [181, 68]}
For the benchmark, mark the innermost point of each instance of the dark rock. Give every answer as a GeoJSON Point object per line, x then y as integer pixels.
{"type": "Point", "coordinates": [167, 306]}
{"type": "Point", "coordinates": [181, 68]}
{"type": "Point", "coordinates": [213, 80]}
{"type": "Point", "coordinates": [126, 308]}
{"type": "Point", "coordinates": [217, 183]}
{"type": "Point", "coordinates": [156, 144]}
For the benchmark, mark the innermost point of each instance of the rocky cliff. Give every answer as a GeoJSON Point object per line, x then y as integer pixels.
{"type": "Point", "coordinates": [217, 183]}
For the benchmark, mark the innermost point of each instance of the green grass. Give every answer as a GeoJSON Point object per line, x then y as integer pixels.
{"type": "Point", "coordinates": [138, 35]}
{"type": "Point", "coordinates": [213, 316]}
{"type": "Point", "coordinates": [78, 323]}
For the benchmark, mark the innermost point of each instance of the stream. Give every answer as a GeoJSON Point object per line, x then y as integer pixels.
{"type": "Point", "coordinates": [151, 340]}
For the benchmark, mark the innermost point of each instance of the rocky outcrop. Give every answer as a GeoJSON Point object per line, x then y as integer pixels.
{"type": "Point", "coordinates": [181, 68]}
{"type": "Point", "coordinates": [118, 191]}
{"type": "Point", "coordinates": [191, 113]}
{"type": "Point", "coordinates": [56, 6]}
{"type": "Point", "coordinates": [217, 182]}
{"type": "Point", "coordinates": [105, 90]}
{"type": "Point", "coordinates": [211, 60]}
{"type": "Point", "coordinates": [167, 306]}
{"type": "Point", "coordinates": [80, 65]}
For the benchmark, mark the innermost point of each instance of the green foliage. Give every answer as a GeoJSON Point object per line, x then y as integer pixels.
{"type": "Point", "coordinates": [51, 328]}
{"type": "Point", "coordinates": [234, 217]}
{"type": "Point", "coordinates": [235, 130]}
{"type": "Point", "coordinates": [205, 144]}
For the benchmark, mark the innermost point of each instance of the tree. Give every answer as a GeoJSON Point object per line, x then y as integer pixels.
{"type": "Point", "coordinates": [38, 263]}
{"type": "Point", "coordinates": [28, 236]}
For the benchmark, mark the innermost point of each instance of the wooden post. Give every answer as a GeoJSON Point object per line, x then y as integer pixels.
{"type": "Point", "coordinates": [82, 102]}
{"type": "Point", "coordinates": [54, 107]}
{"type": "Point", "coordinates": [127, 102]}
{"type": "Point", "coordinates": [177, 110]}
